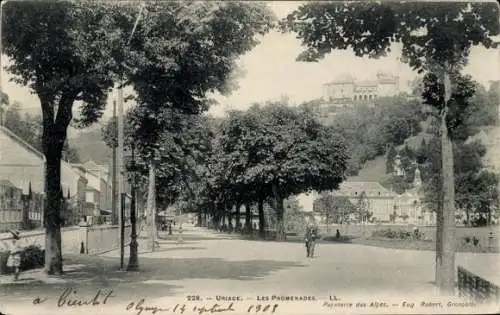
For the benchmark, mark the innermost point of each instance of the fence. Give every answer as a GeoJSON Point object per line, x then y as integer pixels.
{"type": "Point", "coordinates": [10, 219]}
{"type": "Point", "coordinates": [475, 288]}
{"type": "Point", "coordinates": [95, 239]}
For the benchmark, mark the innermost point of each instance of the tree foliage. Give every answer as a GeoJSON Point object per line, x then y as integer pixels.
{"type": "Point", "coordinates": [181, 51]}
{"type": "Point", "coordinates": [335, 209]}
{"type": "Point", "coordinates": [276, 151]}
{"type": "Point", "coordinates": [371, 131]}
{"type": "Point", "coordinates": [430, 35]}
{"type": "Point", "coordinates": [77, 51]}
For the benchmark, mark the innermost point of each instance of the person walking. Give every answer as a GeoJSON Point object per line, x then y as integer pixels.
{"type": "Point", "coordinates": [310, 240]}
{"type": "Point", "coordinates": [179, 237]}
{"type": "Point", "coordinates": [14, 260]}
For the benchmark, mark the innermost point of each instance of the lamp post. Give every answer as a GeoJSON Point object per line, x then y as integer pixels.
{"type": "Point", "coordinates": [133, 263]}
{"type": "Point", "coordinates": [119, 162]}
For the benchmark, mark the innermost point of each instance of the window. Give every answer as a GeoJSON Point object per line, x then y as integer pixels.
{"type": "Point", "coordinates": [379, 193]}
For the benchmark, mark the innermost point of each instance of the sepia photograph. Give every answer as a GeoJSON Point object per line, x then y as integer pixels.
{"type": "Point", "coordinates": [249, 157]}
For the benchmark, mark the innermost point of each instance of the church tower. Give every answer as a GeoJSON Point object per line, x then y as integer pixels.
{"type": "Point", "coordinates": [398, 167]}
{"type": "Point", "coordinates": [417, 181]}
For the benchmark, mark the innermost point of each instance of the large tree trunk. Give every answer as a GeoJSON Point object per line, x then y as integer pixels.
{"type": "Point", "coordinates": [280, 220]}
{"type": "Point", "coordinates": [280, 215]}
{"type": "Point", "coordinates": [204, 219]}
{"type": "Point", "coordinates": [248, 219]}
{"type": "Point", "coordinates": [151, 205]}
{"type": "Point", "coordinates": [238, 217]}
{"type": "Point", "coordinates": [53, 137]}
{"type": "Point", "coordinates": [199, 217]}
{"type": "Point", "coordinates": [445, 259]}
{"type": "Point", "coordinates": [262, 219]}
{"type": "Point", "coordinates": [53, 252]}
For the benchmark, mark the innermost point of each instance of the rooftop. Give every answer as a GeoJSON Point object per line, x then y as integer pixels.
{"type": "Point", "coordinates": [371, 189]}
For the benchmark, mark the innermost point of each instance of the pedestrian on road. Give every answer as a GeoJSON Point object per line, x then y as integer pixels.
{"type": "Point", "coordinates": [310, 240]}
{"type": "Point", "coordinates": [14, 260]}
{"type": "Point", "coordinates": [179, 238]}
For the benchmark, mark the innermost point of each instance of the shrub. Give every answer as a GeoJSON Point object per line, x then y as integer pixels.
{"type": "Point", "coordinates": [32, 257]}
{"type": "Point", "coordinates": [475, 241]}
{"type": "Point", "coordinates": [398, 235]}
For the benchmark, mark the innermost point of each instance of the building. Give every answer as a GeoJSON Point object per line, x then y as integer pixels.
{"type": "Point", "coordinates": [24, 167]}
{"type": "Point", "coordinates": [98, 193]}
{"type": "Point", "coordinates": [11, 215]}
{"type": "Point", "coordinates": [346, 91]}
{"type": "Point", "coordinates": [378, 200]}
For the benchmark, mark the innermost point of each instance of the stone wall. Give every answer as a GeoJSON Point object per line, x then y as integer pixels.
{"type": "Point", "coordinates": [96, 239]}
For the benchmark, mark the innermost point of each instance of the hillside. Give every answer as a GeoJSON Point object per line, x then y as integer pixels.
{"type": "Point", "coordinates": [90, 146]}
{"type": "Point", "coordinates": [372, 171]}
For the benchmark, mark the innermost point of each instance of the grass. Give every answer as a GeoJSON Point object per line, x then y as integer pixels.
{"type": "Point", "coordinates": [412, 244]}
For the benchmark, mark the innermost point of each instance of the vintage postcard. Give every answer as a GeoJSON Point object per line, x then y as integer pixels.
{"type": "Point", "coordinates": [245, 157]}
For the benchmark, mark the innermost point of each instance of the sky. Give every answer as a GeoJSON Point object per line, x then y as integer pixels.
{"type": "Point", "coordinates": [271, 71]}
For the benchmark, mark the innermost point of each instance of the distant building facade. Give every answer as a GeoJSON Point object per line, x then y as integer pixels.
{"type": "Point", "coordinates": [378, 199]}
{"type": "Point", "coordinates": [347, 91]}
{"type": "Point", "coordinates": [346, 88]}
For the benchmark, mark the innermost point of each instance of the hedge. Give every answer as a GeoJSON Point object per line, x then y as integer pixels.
{"type": "Point", "coordinates": [32, 257]}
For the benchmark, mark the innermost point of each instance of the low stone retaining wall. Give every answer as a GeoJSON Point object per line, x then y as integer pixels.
{"type": "Point", "coordinates": [95, 239]}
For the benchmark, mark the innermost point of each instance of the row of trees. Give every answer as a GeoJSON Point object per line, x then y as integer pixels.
{"type": "Point", "coordinates": [184, 50]}
{"type": "Point", "coordinates": [71, 53]}
{"type": "Point", "coordinates": [261, 156]}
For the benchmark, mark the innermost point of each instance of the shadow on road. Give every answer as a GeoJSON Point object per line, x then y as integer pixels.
{"type": "Point", "coordinates": [89, 274]}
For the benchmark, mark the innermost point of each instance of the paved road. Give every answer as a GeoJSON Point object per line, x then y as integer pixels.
{"type": "Point", "coordinates": [209, 264]}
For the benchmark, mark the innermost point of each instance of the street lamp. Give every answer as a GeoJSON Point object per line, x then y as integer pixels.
{"type": "Point", "coordinates": [133, 263]}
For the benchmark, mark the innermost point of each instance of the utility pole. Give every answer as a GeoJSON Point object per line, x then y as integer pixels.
{"type": "Point", "coordinates": [113, 187]}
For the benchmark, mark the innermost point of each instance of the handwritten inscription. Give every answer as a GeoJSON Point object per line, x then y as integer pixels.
{"type": "Point", "coordinates": [259, 308]}
{"type": "Point", "coordinates": [139, 307]}
{"type": "Point", "coordinates": [69, 298]}
{"type": "Point", "coordinates": [216, 308]}
{"type": "Point", "coordinates": [39, 300]}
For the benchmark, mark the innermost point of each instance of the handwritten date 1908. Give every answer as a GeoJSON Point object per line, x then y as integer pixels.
{"type": "Point", "coordinates": [261, 308]}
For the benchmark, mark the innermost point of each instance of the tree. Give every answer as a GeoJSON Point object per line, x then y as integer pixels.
{"type": "Point", "coordinates": [181, 51]}
{"type": "Point", "coordinates": [335, 209]}
{"type": "Point", "coordinates": [291, 153]}
{"type": "Point", "coordinates": [389, 161]}
{"type": "Point", "coordinates": [173, 61]}
{"type": "Point", "coordinates": [77, 67]}
{"type": "Point", "coordinates": [435, 39]}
